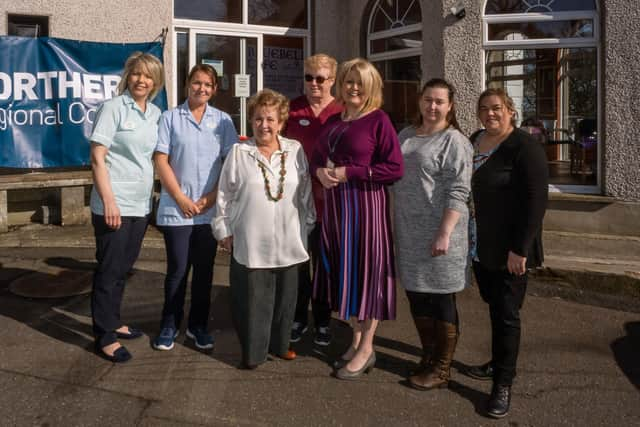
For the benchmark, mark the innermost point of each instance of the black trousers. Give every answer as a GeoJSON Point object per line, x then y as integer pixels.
{"type": "Point", "coordinates": [320, 309]}
{"type": "Point", "coordinates": [440, 307]}
{"type": "Point", "coordinates": [504, 292]}
{"type": "Point", "coordinates": [262, 306]}
{"type": "Point", "coordinates": [188, 246]}
{"type": "Point", "coordinates": [116, 252]}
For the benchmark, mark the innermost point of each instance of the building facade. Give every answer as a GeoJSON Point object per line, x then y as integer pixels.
{"type": "Point", "coordinates": [571, 66]}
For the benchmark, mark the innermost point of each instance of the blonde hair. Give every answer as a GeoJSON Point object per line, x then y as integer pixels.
{"type": "Point", "coordinates": [150, 65]}
{"type": "Point", "coordinates": [269, 98]}
{"type": "Point", "coordinates": [321, 60]}
{"type": "Point", "coordinates": [371, 82]}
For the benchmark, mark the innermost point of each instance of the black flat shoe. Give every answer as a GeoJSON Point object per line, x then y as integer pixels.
{"type": "Point", "coordinates": [483, 372]}
{"type": "Point", "coordinates": [121, 355]}
{"type": "Point", "coordinates": [132, 335]}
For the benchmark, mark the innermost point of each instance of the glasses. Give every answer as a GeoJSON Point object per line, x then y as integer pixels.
{"type": "Point", "coordinates": [319, 79]}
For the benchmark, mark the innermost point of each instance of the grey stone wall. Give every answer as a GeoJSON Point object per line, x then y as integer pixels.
{"type": "Point", "coordinates": [620, 74]}
{"type": "Point", "coordinates": [463, 58]}
{"type": "Point", "coordinates": [115, 21]}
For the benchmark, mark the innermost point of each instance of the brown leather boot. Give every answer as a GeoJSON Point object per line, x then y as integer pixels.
{"type": "Point", "coordinates": [446, 337]}
{"type": "Point", "coordinates": [426, 327]}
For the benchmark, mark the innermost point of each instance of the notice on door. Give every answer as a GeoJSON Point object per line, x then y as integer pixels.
{"type": "Point", "coordinates": [242, 86]}
{"type": "Point", "coordinates": [282, 67]}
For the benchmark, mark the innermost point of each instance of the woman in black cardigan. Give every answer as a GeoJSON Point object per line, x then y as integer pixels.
{"type": "Point", "coordinates": [510, 189]}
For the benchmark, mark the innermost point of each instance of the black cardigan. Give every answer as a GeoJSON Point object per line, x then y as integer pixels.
{"type": "Point", "coordinates": [510, 193]}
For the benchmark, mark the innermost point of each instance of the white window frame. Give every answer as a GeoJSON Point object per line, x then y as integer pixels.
{"type": "Point", "coordinates": [552, 43]}
{"type": "Point", "coordinates": [394, 32]}
{"type": "Point", "coordinates": [193, 27]}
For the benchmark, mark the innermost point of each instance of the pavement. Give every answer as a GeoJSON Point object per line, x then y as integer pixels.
{"type": "Point", "coordinates": [579, 363]}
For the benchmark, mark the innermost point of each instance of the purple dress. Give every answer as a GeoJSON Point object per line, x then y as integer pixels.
{"type": "Point", "coordinates": [355, 272]}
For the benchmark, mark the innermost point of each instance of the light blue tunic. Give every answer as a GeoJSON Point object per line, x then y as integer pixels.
{"type": "Point", "coordinates": [131, 136]}
{"type": "Point", "coordinates": [196, 152]}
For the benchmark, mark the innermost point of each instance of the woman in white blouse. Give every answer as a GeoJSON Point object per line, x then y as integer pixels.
{"type": "Point", "coordinates": [264, 212]}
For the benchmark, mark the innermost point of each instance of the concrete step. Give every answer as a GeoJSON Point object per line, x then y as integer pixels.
{"type": "Point", "coordinates": [593, 246]}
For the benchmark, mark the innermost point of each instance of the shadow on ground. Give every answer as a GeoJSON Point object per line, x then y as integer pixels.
{"type": "Point", "coordinates": [626, 351]}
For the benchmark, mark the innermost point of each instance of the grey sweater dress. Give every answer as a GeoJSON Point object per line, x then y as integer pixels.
{"type": "Point", "coordinates": [437, 175]}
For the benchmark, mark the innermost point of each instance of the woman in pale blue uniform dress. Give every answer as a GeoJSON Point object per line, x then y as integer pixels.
{"type": "Point", "coordinates": [122, 143]}
{"type": "Point", "coordinates": [193, 139]}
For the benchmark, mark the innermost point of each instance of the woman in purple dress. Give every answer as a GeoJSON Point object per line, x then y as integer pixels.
{"type": "Point", "coordinates": [356, 157]}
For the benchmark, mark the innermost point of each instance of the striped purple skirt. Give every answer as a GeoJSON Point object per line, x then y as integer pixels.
{"type": "Point", "coordinates": [355, 272]}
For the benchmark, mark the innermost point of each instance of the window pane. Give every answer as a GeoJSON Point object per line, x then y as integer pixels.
{"type": "Point", "coordinates": [182, 62]}
{"type": "Point", "coordinates": [555, 92]}
{"type": "Point", "coordinates": [28, 25]}
{"type": "Point", "coordinates": [283, 65]}
{"type": "Point", "coordinates": [521, 6]}
{"type": "Point", "coordinates": [401, 79]}
{"type": "Point", "coordinates": [403, 41]}
{"type": "Point", "coordinates": [282, 13]}
{"type": "Point", "coordinates": [224, 53]}
{"type": "Point", "coordinates": [395, 14]}
{"type": "Point", "coordinates": [209, 10]}
{"type": "Point", "coordinates": [542, 30]}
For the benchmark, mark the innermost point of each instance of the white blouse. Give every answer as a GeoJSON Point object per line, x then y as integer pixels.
{"type": "Point", "coordinates": [266, 234]}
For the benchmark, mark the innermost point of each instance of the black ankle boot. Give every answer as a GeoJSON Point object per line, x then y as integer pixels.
{"type": "Point", "coordinates": [498, 405]}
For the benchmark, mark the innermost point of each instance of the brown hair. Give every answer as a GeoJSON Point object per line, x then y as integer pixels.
{"type": "Point", "coordinates": [269, 98]}
{"type": "Point", "coordinates": [504, 97]}
{"type": "Point", "coordinates": [451, 118]}
{"type": "Point", "coordinates": [149, 64]}
{"type": "Point", "coordinates": [203, 68]}
{"type": "Point", "coordinates": [371, 82]}
{"type": "Point", "coordinates": [321, 60]}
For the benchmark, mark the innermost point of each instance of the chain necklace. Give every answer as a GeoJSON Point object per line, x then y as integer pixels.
{"type": "Point", "coordinates": [267, 186]}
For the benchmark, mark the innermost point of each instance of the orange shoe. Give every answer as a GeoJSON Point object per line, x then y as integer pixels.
{"type": "Point", "coordinates": [289, 355]}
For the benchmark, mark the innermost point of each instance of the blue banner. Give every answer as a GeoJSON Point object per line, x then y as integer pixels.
{"type": "Point", "coordinates": [49, 92]}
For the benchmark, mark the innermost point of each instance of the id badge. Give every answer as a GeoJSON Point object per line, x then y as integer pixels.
{"type": "Point", "coordinates": [330, 164]}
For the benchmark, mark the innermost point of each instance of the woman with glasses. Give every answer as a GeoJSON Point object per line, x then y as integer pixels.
{"type": "Point", "coordinates": [509, 190]}
{"type": "Point", "coordinates": [356, 158]}
{"type": "Point", "coordinates": [307, 115]}
{"type": "Point", "coordinates": [193, 140]}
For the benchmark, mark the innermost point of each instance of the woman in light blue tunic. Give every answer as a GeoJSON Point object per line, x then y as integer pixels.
{"type": "Point", "coordinates": [124, 136]}
{"type": "Point", "coordinates": [193, 139]}
{"type": "Point", "coordinates": [431, 218]}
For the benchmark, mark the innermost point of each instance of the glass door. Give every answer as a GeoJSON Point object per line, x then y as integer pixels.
{"type": "Point", "coordinates": [231, 56]}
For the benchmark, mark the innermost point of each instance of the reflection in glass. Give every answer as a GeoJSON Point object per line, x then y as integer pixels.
{"type": "Point", "coordinates": [537, 6]}
{"type": "Point", "coordinates": [208, 10]}
{"type": "Point", "coordinates": [223, 52]}
{"type": "Point", "coordinates": [403, 41]}
{"type": "Point", "coordinates": [556, 91]}
{"type": "Point", "coordinates": [182, 65]}
{"type": "Point", "coordinates": [282, 13]}
{"type": "Point", "coordinates": [401, 79]}
{"type": "Point", "coordinates": [543, 30]}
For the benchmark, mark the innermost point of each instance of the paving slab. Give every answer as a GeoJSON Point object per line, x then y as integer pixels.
{"type": "Point", "coordinates": [579, 365]}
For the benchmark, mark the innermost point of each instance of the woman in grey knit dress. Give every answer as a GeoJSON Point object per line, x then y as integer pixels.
{"type": "Point", "coordinates": [431, 220]}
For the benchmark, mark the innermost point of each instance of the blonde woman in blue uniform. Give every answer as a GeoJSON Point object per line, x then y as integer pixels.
{"type": "Point", "coordinates": [122, 143]}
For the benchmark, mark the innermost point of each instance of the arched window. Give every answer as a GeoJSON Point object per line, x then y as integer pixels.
{"type": "Point", "coordinates": [544, 53]}
{"type": "Point", "coordinates": [394, 46]}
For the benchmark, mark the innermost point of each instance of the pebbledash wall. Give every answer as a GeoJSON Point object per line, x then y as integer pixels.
{"type": "Point", "coordinates": [113, 21]}
{"type": "Point", "coordinates": [451, 47]}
